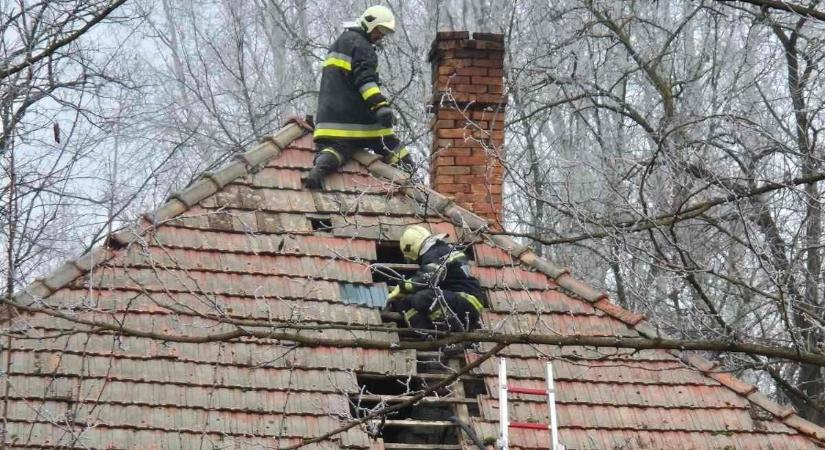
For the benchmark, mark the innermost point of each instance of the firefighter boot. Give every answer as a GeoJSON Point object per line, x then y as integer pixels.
{"type": "Point", "coordinates": [400, 158]}
{"type": "Point", "coordinates": [325, 162]}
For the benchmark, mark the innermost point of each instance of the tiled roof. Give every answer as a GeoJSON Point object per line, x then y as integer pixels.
{"type": "Point", "coordinates": [239, 246]}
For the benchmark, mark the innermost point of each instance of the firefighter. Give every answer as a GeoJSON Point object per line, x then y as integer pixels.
{"type": "Point", "coordinates": [442, 295]}
{"type": "Point", "coordinates": [353, 111]}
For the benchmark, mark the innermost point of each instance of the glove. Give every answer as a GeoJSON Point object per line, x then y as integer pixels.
{"type": "Point", "coordinates": [395, 294]}
{"type": "Point", "coordinates": [385, 116]}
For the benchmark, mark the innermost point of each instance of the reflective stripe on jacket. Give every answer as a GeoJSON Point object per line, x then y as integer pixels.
{"type": "Point", "coordinates": [350, 90]}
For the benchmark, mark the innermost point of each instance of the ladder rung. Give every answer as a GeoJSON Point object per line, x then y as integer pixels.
{"type": "Point", "coordinates": [523, 390]}
{"type": "Point", "coordinates": [418, 423]}
{"type": "Point", "coordinates": [529, 426]}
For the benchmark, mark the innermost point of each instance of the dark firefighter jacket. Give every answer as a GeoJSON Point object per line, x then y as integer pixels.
{"type": "Point", "coordinates": [446, 267]}
{"type": "Point", "coordinates": [350, 90]}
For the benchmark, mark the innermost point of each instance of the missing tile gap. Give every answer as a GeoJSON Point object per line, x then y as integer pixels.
{"type": "Point", "coordinates": [321, 224]}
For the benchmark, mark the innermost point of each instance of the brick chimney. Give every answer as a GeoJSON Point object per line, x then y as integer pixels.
{"type": "Point", "coordinates": [468, 127]}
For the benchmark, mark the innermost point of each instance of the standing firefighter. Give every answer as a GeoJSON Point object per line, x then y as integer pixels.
{"type": "Point", "coordinates": [441, 295]}
{"type": "Point", "coordinates": [353, 112]}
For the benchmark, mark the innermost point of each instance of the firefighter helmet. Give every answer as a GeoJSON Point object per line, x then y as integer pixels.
{"type": "Point", "coordinates": [377, 16]}
{"type": "Point", "coordinates": [411, 241]}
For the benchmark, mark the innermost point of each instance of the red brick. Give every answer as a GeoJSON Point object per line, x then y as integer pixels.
{"type": "Point", "coordinates": [463, 97]}
{"type": "Point", "coordinates": [488, 189]}
{"type": "Point", "coordinates": [452, 133]}
{"type": "Point", "coordinates": [444, 123]}
{"type": "Point", "coordinates": [444, 160]}
{"type": "Point", "coordinates": [443, 179]}
{"type": "Point", "coordinates": [482, 208]}
{"type": "Point", "coordinates": [487, 80]}
{"type": "Point", "coordinates": [450, 114]}
{"type": "Point", "coordinates": [475, 179]}
{"type": "Point", "coordinates": [479, 152]}
{"type": "Point", "coordinates": [494, 72]}
{"type": "Point", "coordinates": [481, 134]}
{"type": "Point", "coordinates": [453, 188]}
{"type": "Point", "coordinates": [466, 143]}
{"type": "Point", "coordinates": [446, 70]}
{"type": "Point", "coordinates": [490, 98]}
{"type": "Point", "coordinates": [487, 115]}
{"type": "Point", "coordinates": [466, 197]}
{"type": "Point", "coordinates": [454, 151]}
{"type": "Point", "coordinates": [494, 63]}
{"type": "Point", "coordinates": [453, 170]}
{"type": "Point", "coordinates": [487, 134]}
{"type": "Point", "coordinates": [470, 160]}
{"type": "Point", "coordinates": [472, 71]}
{"type": "Point", "coordinates": [442, 143]}
{"type": "Point", "coordinates": [495, 89]}
{"type": "Point", "coordinates": [455, 62]}
{"type": "Point", "coordinates": [471, 88]}
{"type": "Point", "coordinates": [453, 80]}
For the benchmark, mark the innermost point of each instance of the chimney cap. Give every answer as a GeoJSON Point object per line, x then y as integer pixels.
{"type": "Point", "coordinates": [452, 35]}
{"type": "Point", "coordinates": [493, 37]}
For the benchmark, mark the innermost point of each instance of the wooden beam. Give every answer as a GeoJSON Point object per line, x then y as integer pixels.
{"type": "Point", "coordinates": [401, 398]}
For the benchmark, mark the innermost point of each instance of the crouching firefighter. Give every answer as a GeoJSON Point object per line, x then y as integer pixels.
{"type": "Point", "coordinates": [441, 295]}
{"type": "Point", "coordinates": [353, 112]}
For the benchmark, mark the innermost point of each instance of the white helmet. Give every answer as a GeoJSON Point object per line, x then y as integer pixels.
{"type": "Point", "coordinates": [377, 16]}
{"type": "Point", "coordinates": [411, 241]}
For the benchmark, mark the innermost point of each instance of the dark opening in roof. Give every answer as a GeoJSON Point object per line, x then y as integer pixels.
{"type": "Point", "coordinates": [389, 252]}
{"type": "Point", "coordinates": [321, 224]}
{"type": "Point", "coordinates": [425, 423]}
{"type": "Point", "coordinates": [390, 266]}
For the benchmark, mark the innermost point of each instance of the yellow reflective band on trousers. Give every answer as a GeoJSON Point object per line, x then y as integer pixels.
{"type": "Point", "coordinates": [337, 62]}
{"type": "Point", "coordinates": [334, 153]}
{"type": "Point", "coordinates": [473, 300]}
{"type": "Point", "coordinates": [409, 314]}
{"type": "Point", "coordinates": [455, 255]}
{"type": "Point", "coordinates": [354, 134]}
{"type": "Point", "coordinates": [370, 92]}
{"type": "Point", "coordinates": [398, 156]}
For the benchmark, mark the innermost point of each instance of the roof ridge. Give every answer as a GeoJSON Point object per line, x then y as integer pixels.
{"type": "Point", "coordinates": [598, 299]}
{"type": "Point", "coordinates": [268, 147]}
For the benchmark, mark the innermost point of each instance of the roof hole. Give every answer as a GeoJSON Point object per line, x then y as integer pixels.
{"type": "Point", "coordinates": [113, 243]}
{"type": "Point", "coordinates": [321, 224]}
{"type": "Point", "coordinates": [420, 424]}
{"type": "Point", "coordinates": [468, 249]}
{"type": "Point", "coordinates": [390, 265]}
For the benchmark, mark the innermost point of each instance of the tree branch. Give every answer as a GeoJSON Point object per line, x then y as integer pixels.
{"type": "Point", "coordinates": [637, 343]}
{"type": "Point", "coordinates": [57, 45]}
{"type": "Point", "coordinates": [690, 212]}
{"type": "Point", "coordinates": [783, 6]}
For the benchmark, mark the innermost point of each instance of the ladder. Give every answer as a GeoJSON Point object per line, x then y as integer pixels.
{"type": "Point", "coordinates": [503, 392]}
